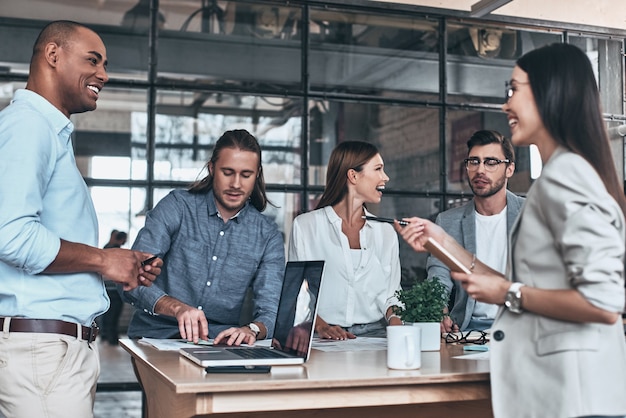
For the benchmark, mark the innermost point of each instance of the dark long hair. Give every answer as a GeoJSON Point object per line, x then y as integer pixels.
{"type": "Point", "coordinates": [346, 155]}
{"type": "Point", "coordinates": [568, 101]}
{"type": "Point", "coordinates": [245, 141]}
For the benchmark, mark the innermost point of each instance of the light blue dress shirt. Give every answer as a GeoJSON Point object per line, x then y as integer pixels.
{"type": "Point", "coordinates": [43, 198]}
{"type": "Point", "coordinates": [208, 264]}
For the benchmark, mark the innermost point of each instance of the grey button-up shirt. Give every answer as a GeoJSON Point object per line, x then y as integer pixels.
{"type": "Point", "coordinates": [208, 264]}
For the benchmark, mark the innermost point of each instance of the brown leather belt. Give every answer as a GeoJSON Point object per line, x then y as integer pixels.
{"type": "Point", "coordinates": [51, 326]}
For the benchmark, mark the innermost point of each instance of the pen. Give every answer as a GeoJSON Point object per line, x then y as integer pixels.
{"type": "Point", "coordinates": [149, 260]}
{"type": "Point", "coordinates": [388, 220]}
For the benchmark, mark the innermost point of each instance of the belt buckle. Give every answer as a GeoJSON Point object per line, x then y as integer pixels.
{"type": "Point", "coordinates": [93, 332]}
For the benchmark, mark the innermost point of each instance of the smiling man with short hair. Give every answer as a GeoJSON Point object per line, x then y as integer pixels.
{"type": "Point", "coordinates": [51, 270]}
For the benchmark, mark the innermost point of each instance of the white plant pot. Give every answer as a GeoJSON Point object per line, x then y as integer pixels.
{"type": "Point", "coordinates": [431, 335]}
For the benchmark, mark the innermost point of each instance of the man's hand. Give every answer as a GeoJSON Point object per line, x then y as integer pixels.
{"type": "Point", "coordinates": [192, 323]}
{"type": "Point", "coordinates": [124, 266]}
{"type": "Point", "coordinates": [298, 338]}
{"type": "Point", "coordinates": [448, 325]}
{"type": "Point", "coordinates": [150, 271]}
{"type": "Point", "coordinates": [116, 264]}
{"type": "Point", "coordinates": [236, 336]}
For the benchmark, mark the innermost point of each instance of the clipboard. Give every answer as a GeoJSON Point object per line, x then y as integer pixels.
{"type": "Point", "coordinates": [445, 256]}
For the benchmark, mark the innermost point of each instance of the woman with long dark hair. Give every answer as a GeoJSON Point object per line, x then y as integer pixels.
{"type": "Point", "coordinates": [362, 270]}
{"type": "Point", "coordinates": [557, 343]}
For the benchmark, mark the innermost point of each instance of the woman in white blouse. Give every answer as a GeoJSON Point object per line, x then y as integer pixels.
{"type": "Point", "coordinates": [362, 270]}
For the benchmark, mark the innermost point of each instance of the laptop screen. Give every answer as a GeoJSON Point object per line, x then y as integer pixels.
{"type": "Point", "coordinates": [292, 332]}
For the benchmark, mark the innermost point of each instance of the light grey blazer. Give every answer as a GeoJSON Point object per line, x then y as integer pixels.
{"type": "Point", "coordinates": [460, 223]}
{"type": "Point", "coordinates": [570, 234]}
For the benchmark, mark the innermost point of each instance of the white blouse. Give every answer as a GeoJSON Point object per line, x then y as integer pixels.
{"type": "Point", "coordinates": [352, 292]}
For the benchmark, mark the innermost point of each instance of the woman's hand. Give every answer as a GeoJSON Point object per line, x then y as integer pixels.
{"type": "Point", "coordinates": [484, 287]}
{"type": "Point", "coordinates": [417, 232]}
{"type": "Point", "coordinates": [331, 332]}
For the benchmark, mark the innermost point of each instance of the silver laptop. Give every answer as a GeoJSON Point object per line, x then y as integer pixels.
{"type": "Point", "coordinates": [292, 339]}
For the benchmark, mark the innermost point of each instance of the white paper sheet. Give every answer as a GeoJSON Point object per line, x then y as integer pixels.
{"type": "Point", "coordinates": [357, 344]}
{"type": "Point", "coordinates": [172, 344]}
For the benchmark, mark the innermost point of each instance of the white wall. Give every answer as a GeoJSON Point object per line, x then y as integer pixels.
{"type": "Point", "coordinates": [603, 13]}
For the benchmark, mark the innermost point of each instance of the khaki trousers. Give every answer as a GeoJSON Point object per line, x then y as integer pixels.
{"type": "Point", "coordinates": [47, 376]}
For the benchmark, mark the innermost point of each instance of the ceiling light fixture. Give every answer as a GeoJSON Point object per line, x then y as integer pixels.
{"type": "Point", "coordinates": [484, 7]}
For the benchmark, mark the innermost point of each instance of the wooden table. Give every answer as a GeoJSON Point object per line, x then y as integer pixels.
{"type": "Point", "coordinates": [330, 384]}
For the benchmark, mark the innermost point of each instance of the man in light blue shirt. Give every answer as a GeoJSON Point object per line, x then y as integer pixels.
{"type": "Point", "coordinates": [215, 243]}
{"type": "Point", "coordinates": [51, 286]}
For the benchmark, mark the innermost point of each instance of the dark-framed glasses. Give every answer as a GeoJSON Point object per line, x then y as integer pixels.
{"type": "Point", "coordinates": [473, 336]}
{"type": "Point", "coordinates": [491, 164]}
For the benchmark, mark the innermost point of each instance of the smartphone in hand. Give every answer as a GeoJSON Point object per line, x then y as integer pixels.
{"type": "Point", "coordinates": [149, 260]}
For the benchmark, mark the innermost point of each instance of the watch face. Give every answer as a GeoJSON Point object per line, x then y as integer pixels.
{"type": "Point", "coordinates": [254, 327]}
{"type": "Point", "coordinates": [512, 302]}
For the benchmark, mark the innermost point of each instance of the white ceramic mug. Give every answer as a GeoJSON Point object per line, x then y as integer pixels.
{"type": "Point", "coordinates": [403, 347]}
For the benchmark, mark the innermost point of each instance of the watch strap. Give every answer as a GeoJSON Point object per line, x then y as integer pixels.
{"type": "Point", "coordinates": [254, 327]}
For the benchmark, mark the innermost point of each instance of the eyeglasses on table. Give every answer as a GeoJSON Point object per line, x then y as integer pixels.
{"type": "Point", "coordinates": [473, 336]}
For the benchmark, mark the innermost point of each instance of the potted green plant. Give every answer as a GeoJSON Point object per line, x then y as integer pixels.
{"type": "Point", "coordinates": [423, 305]}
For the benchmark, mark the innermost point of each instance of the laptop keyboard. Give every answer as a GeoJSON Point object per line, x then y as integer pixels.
{"type": "Point", "coordinates": [256, 353]}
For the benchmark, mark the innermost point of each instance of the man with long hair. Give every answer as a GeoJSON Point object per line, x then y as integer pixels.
{"type": "Point", "coordinates": [215, 244]}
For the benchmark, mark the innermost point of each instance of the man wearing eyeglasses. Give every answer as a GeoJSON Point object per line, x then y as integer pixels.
{"type": "Point", "coordinates": [481, 226]}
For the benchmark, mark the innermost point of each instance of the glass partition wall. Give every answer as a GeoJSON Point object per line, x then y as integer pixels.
{"type": "Point", "coordinates": [301, 76]}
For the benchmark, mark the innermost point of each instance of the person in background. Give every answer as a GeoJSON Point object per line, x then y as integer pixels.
{"type": "Point", "coordinates": [51, 269]}
{"type": "Point", "coordinates": [482, 225]}
{"type": "Point", "coordinates": [559, 320]}
{"type": "Point", "coordinates": [362, 270]}
{"type": "Point", "coordinates": [109, 321]}
{"type": "Point", "coordinates": [215, 244]}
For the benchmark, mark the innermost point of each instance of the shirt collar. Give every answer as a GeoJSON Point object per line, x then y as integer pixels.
{"type": "Point", "coordinates": [60, 123]}
{"type": "Point", "coordinates": [214, 212]}
{"type": "Point", "coordinates": [334, 218]}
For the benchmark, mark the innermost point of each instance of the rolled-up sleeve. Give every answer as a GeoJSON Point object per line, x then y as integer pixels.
{"type": "Point", "coordinates": [268, 282]}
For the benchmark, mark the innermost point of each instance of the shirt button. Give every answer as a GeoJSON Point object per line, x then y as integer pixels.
{"type": "Point", "coordinates": [208, 283]}
{"type": "Point", "coordinates": [214, 258]}
{"type": "Point", "coordinates": [200, 307]}
{"type": "Point", "coordinates": [498, 335]}
{"type": "Point", "coordinates": [221, 233]}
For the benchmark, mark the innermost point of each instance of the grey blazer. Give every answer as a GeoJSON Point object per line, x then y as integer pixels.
{"type": "Point", "coordinates": [569, 235]}
{"type": "Point", "coordinates": [460, 223]}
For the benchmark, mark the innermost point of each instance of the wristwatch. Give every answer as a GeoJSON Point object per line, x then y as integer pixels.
{"type": "Point", "coordinates": [255, 328]}
{"type": "Point", "coordinates": [513, 299]}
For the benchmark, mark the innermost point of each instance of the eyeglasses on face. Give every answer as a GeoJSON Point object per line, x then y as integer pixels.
{"type": "Point", "coordinates": [473, 336]}
{"type": "Point", "coordinates": [509, 89]}
{"type": "Point", "coordinates": [491, 164]}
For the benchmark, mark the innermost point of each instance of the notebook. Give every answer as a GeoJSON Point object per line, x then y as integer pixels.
{"type": "Point", "coordinates": [291, 343]}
